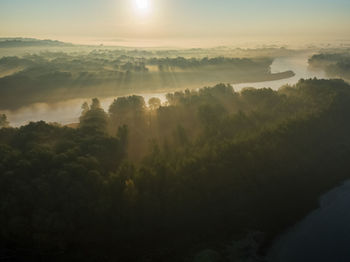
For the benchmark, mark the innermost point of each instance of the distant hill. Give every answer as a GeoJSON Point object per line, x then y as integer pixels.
{"type": "Point", "coordinates": [29, 42]}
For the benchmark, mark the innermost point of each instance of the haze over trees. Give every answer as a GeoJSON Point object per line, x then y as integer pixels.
{"type": "Point", "coordinates": [163, 182]}
{"type": "Point", "coordinates": [49, 77]}
{"type": "Point", "coordinates": [30, 42]}
{"type": "Point", "coordinates": [173, 131]}
{"type": "Point", "coordinates": [334, 64]}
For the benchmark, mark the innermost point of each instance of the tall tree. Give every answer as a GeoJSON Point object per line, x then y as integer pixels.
{"type": "Point", "coordinates": [3, 121]}
{"type": "Point", "coordinates": [94, 118]}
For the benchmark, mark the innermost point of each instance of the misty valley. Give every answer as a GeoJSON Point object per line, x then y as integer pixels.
{"type": "Point", "coordinates": [167, 154]}
{"type": "Point", "coordinates": [49, 77]}
{"type": "Point", "coordinates": [55, 80]}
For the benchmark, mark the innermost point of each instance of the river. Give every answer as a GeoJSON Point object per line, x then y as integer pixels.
{"type": "Point", "coordinates": [323, 236]}
{"type": "Point", "coordinates": [298, 64]}
{"type": "Point", "coordinates": [66, 112]}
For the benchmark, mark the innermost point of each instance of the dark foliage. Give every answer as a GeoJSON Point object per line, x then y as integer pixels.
{"type": "Point", "coordinates": [210, 167]}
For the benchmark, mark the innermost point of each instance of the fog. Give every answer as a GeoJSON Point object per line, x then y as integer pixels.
{"type": "Point", "coordinates": [65, 112]}
{"type": "Point", "coordinates": [55, 78]}
{"type": "Point", "coordinates": [68, 111]}
{"type": "Point", "coordinates": [177, 130]}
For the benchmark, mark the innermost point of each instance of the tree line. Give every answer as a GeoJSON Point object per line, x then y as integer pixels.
{"type": "Point", "coordinates": [334, 64]}
{"type": "Point", "coordinates": [50, 77]}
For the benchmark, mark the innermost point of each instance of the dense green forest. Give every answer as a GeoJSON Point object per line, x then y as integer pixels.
{"type": "Point", "coordinates": [166, 181]}
{"type": "Point", "coordinates": [49, 77]}
{"type": "Point", "coordinates": [334, 64]}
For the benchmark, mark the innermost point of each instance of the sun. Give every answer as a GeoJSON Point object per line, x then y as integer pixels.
{"type": "Point", "coordinates": [142, 5]}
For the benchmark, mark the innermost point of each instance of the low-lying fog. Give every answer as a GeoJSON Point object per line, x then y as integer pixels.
{"type": "Point", "coordinates": [66, 112]}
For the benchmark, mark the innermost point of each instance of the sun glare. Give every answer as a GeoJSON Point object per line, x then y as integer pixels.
{"type": "Point", "coordinates": [142, 5]}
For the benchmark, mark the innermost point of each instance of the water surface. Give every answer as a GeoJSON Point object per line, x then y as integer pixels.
{"type": "Point", "coordinates": [323, 236]}
{"type": "Point", "coordinates": [298, 64]}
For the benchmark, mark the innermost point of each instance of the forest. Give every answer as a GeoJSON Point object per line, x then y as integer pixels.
{"type": "Point", "coordinates": [49, 77]}
{"type": "Point", "coordinates": [210, 170]}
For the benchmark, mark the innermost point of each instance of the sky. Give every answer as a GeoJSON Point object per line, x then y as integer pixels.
{"type": "Point", "coordinates": [145, 21]}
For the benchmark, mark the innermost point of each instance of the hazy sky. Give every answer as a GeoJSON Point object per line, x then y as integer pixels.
{"type": "Point", "coordinates": [121, 20]}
